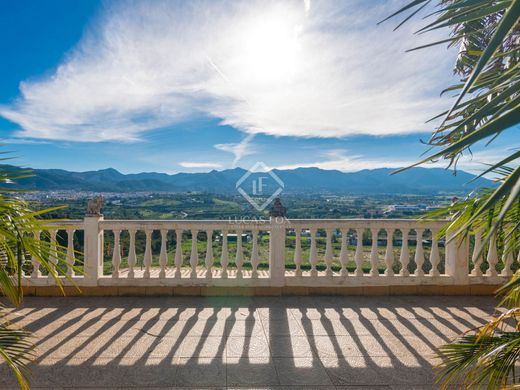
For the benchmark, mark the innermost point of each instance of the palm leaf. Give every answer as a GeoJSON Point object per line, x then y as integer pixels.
{"type": "Point", "coordinates": [20, 241]}
{"type": "Point", "coordinates": [486, 103]}
{"type": "Point", "coordinates": [504, 27]}
{"type": "Point", "coordinates": [16, 349]}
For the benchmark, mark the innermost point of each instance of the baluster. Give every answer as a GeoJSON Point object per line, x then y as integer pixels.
{"type": "Point", "coordinates": [254, 255]}
{"type": "Point", "coordinates": [239, 259]}
{"type": "Point", "coordinates": [298, 251]}
{"type": "Point", "coordinates": [389, 254]}
{"type": "Point", "coordinates": [148, 253]}
{"type": "Point", "coordinates": [404, 258]}
{"type": "Point", "coordinates": [53, 254]}
{"type": "Point", "coordinates": [476, 258]}
{"type": "Point", "coordinates": [208, 261]}
{"type": "Point", "coordinates": [194, 256]}
{"type": "Point", "coordinates": [116, 255]}
{"type": "Point", "coordinates": [178, 253]}
{"type": "Point", "coordinates": [374, 258]}
{"type": "Point", "coordinates": [358, 257]}
{"type": "Point", "coordinates": [328, 253]}
{"type": "Point", "coordinates": [70, 252]}
{"type": "Point", "coordinates": [163, 256]}
{"type": "Point", "coordinates": [419, 253]}
{"type": "Point", "coordinates": [343, 254]}
{"type": "Point", "coordinates": [36, 273]}
{"type": "Point", "coordinates": [507, 259]}
{"type": "Point", "coordinates": [224, 260]}
{"type": "Point", "coordinates": [492, 257]}
{"type": "Point", "coordinates": [434, 255]}
{"type": "Point", "coordinates": [132, 258]}
{"type": "Point", "coordinates": [313, 259]}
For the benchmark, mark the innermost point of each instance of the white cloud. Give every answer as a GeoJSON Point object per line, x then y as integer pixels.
{"type": "Point", "coordinates": [239, 150]}
{"type": "Point", "coordinates": [341, 160]}
{"type": "Point", "coordinates": [295, 68]}
{"type": "Point", "coordinates": [21, 141]}
{"type": "Point", "coordinates": [338, 160]}
{"type": "Point", "coordinates": [193, 164]}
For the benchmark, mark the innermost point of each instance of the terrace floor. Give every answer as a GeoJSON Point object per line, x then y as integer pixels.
{"type": "Point", "coordinates": [242, 342]}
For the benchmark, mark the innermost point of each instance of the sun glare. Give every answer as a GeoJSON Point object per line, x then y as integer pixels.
{"type": "Point", "coordinates": [269, 50]}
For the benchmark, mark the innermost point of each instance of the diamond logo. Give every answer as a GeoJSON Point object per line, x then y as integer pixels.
{"type": "Point", "coordinates": [252, 186]}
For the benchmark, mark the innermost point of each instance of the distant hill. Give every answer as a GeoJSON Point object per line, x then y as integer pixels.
{"type": "Point", "coordinates": [300, 180]}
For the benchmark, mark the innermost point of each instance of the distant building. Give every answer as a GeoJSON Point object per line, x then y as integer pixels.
{"type": "Point", "coordinates": [232, 237]}
{"type": "Point", "coordinates": [410, 208]}
{"type": "Point", "coordinates": [395, 208]}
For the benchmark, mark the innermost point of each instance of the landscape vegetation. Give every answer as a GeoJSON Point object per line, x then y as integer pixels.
{"type": "Point", "coordinates": [486, 105]}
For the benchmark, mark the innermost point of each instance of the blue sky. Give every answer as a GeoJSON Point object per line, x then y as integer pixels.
{"type": "Point", "coordinates": [177, 86]}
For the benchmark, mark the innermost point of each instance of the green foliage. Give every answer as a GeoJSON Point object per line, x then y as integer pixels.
{"type": "Point", "coordinates": [488, 96]}
{"type": "Point", "coordinates": [16, 350]}
{"type": "Point", "coordinates": [487, 104]}
{"type": "Point", "coordinates": [487, 356]}
{"type": "Point", "coordinates": [20, 241]}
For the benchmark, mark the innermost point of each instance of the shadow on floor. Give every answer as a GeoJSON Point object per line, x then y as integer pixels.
{"type": "Point", "coordinates": [228, 342]}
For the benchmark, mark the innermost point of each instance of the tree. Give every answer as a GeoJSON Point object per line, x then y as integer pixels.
{"type": "Point", "coordinates": [486, 105]}
{"type": "Point", "coordinates": [20, 242]}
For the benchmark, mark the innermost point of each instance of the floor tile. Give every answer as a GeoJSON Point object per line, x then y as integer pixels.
{"type": "Point", "coordinates": [301, 371]}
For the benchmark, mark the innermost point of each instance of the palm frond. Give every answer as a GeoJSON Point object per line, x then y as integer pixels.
{"type": "Point", "coordinates": [486, 105]}
{"type": "Point", "coordinates": [24, 236]}
{"type": "Point", "coordinates": [16, 349]}
{"type": "Point", "coordinates": [476, 361]}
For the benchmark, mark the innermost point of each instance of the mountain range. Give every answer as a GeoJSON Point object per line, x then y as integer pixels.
{"type": "Point", "coordinates": [300, 180]}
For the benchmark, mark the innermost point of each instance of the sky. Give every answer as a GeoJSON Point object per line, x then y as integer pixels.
{"type": "Point", "coordinates": [173, 86]}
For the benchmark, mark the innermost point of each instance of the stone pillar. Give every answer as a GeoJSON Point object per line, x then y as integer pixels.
{"type": "Point", "coordinates": [457, 258]}
{"type": "Point", "coordinates": [277, 252]}
{"type": "Point", "coordinates": [93, 250]}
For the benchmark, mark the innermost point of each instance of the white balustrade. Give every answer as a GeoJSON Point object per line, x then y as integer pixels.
{"type": "Point", "coordinates": [53, 253]}
{"type": "Point", "coordinates": [254, 255]}
{"type": "Point", "coordinates": [389, 253]}
{"type": "Point", "coordinates": [239, 259]}
{"type": "Point", "coordinates": [132, 258]}
{"type": "Point", "coordinates": [178, 253]}
{"type": "Point", "coordinates": [224, 258]}
{"type": "Point", "coordinates": [57, 251]}
{"type": "Point", "coordinates": [419, 252]}
{"type": "Point", "coordinates": [208, 260]}
{"type": "Point", "coordinates": [313, 258]}
{"type": "Point", "coordinates": [492, 257]}
{"type": "Point", "coordinates": [343, 254]}
{"type": "Point", "coordinates": [476, 258]}
{"type": "Point", "coordinates": [374, 258]}
{"type": "Point", "coordinates": [328, 252]}
{"type": "Point", "coordinates": [358, 257]}
{"type": "Point", "coordinates": [194, 256]}
{"type": "Point", "coordinates": [331, 270]}
{"type": "Point", "coordinates": [507, 259]}
{"type": "Point", "coordinates": [298, 252]}
{"type": "Point", "coordinates": [404, 257]}
{"type": "Point", "coordinates": [163, 257]}
{"type": "Point", "coordinates": [434, 255]}
{"type": "Point", "coordinates": [116, 256]}
{"type": "Point", "coordinates": [70, 252]}
{"type": "Point", "coordinates": [36, 273]}
{"type": "Point", "coordinates": [148, 253]}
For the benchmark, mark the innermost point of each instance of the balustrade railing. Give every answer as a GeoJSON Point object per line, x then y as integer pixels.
{"type": "Point", "coordinates": [310, 253]}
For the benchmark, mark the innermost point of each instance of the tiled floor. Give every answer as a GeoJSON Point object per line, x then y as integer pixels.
{"type": "Point", "coordinates": [258, 343]}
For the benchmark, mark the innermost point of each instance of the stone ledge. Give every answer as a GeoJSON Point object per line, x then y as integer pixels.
{"type": "Point", "coordinates": [483, 289]}
{"type": "Point", "coordinates": [53, 291]}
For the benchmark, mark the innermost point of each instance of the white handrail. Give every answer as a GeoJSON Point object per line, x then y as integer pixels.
{"type": "Point", "coordinates": [301, 252]}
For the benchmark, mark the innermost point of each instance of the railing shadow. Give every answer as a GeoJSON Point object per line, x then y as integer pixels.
{"type": "Point", "coordinates": [234, 342]}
